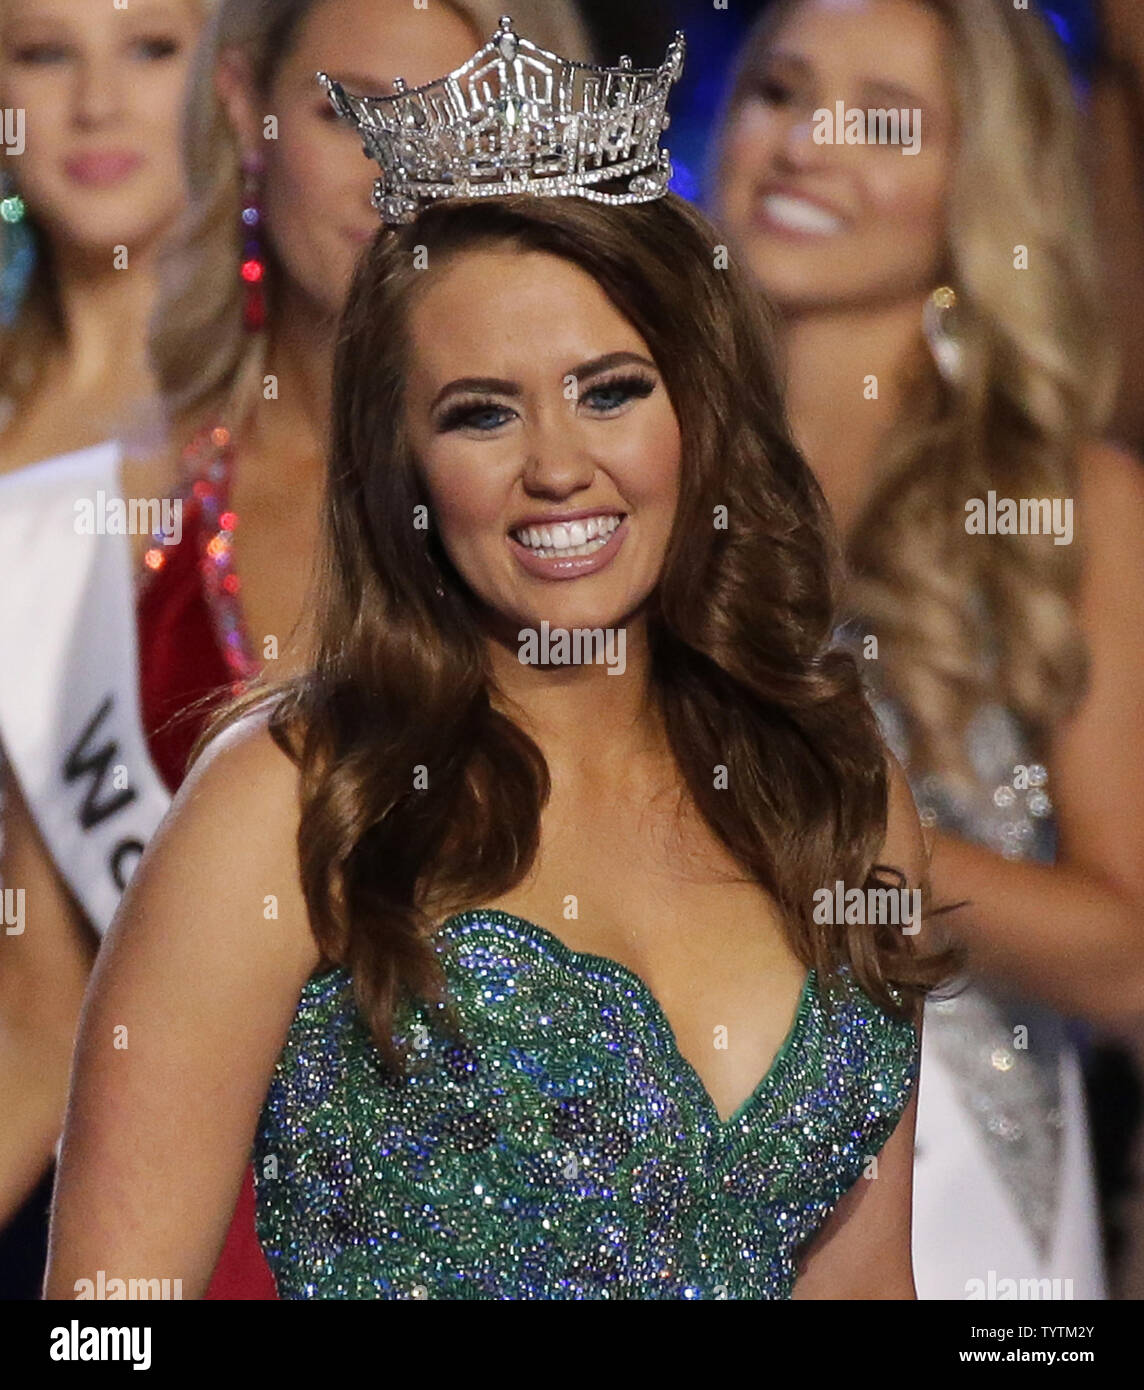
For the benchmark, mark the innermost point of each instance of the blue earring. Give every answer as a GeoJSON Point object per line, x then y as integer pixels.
{"type": "Point", "coordinates": [18, 258]}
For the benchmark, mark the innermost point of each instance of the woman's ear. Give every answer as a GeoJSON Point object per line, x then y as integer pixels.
{"type": "Point", "coordinates": [234, 85]}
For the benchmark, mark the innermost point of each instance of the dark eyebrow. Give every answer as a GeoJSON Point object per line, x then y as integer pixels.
{"type": "Point", "coordinates": [491, 385]}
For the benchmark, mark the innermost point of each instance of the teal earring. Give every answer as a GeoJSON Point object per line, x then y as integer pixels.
{"type": "Point", "coordinates": [17, 252]}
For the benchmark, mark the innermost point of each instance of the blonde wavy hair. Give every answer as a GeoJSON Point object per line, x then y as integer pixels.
{"type": "Point", "coordinates": [960, 621]}
{"type": "Point", "coordinates": [205, 360]}
{"type": "Point", "coordinates": [38, 326]}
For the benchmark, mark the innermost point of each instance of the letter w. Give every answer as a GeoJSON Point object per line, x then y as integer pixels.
{"type": "Point", "coordinates": [81, 762]}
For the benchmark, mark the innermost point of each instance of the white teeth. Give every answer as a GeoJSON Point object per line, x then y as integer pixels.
{"type": "Point", "coordinates": [800, 216]}
{"type": "Point", "coordinates": [572, 551]}
{"type": "Point", "coordinates": [567, 539]}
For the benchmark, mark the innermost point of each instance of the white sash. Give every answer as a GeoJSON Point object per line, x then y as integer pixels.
{"type": "Point", "coordinates": [70, 720]}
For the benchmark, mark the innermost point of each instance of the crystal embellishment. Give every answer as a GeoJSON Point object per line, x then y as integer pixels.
{"type": "Point", "coordinates": [516, 118]}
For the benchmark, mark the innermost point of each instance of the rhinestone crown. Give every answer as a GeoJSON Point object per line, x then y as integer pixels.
{"type": "Point", "coordinates": [517, 119]}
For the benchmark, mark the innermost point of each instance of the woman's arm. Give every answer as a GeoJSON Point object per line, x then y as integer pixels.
{"type": "Point", "coordinates": [45, 962]}
{"type": "Point", "coordinates": [862, 1250]}
{"type": "Point", "coordinates": [1114, 145]}
{"type": "Point", "coordinates": [190, 1002]}
{"type": "Point", "coordinates": [1073, 932]}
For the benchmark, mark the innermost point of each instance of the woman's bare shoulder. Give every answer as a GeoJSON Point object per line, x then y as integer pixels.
{"type": "Point", "coordinates": [245, 766]}
{"type": "Point", "coordinates": [227, 850]}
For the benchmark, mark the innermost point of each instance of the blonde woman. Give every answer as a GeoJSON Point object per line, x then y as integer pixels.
{"type": "Point", "coordinates": [89, 190]}
{"type": "Point", "coordinates": [111, 636]}
{"type": "Point", "coordinates": [945, 353]}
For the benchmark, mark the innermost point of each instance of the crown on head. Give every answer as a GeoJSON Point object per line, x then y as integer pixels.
{"type": "Point", "coordinates": [517, 119]}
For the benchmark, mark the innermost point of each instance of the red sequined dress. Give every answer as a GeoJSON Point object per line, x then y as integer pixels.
{"type": "Point", "coordinates": [192, 645]}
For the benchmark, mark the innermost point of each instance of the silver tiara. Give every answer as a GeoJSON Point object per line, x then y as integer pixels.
{"type": "Point", "coordinates": [517, 119]}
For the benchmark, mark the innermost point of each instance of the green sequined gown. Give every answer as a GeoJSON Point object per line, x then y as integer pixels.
{"type": "Point", "coordinates": [565, 1149]}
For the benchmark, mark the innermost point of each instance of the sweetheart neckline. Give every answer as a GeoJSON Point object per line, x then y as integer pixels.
{"type": "Point", "coordinates": [622, 974]}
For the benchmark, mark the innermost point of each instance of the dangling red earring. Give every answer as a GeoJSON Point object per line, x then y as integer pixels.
{"type": "Point", "coordinates": [253, 268]}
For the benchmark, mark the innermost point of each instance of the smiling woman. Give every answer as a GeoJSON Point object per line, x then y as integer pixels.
{"type": "Point", "coordinates": [467, 432]}
{"type": "Point", "coordinates": [124, 642]}
{"type": "Point", "coordinates": [532, 1112]}
{"type": "Point", "coordinates": [949, 380]}
{"type": "Point", "coordinates": [87, 203]}
{"type": "Point", "coordinates": [514, 965]}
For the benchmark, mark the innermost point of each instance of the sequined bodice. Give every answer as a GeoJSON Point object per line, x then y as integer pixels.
{"type": "Point", "coordinates": [564, 1148]}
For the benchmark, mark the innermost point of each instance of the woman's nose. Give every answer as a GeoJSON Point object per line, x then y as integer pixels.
{"type": "Point", "coordinates": [98, 91]}
{"type": "Point", "coordinates": [557, 462]}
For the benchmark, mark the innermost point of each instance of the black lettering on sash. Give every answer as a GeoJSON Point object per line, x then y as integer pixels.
{"type": "Point", "coordinates": [124, 847]}
{"type": "Point", "coordinates": [82, 762]}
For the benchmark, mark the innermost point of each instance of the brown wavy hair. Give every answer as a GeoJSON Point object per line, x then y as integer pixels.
{"type": "Point", "coordinates": [740, 629]}
{"type": "Point", "coordinates": [961, 620]}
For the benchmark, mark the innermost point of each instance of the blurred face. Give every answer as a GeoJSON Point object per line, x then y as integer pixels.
{"type": "Point", "coordinates": [101, 90]}
{"type": "Point", "coordinates": [841, 224]}
{"type": "Point", "coordinates": [317, 186]}
{"type": "Point", "coordinates": [546, 438]}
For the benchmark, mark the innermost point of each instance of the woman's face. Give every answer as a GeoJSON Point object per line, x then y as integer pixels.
{"type": "Point", "coordinates": [546, 439]}
{"type": "Point", "coordinates": [100, 90]}
{"type": "Point", "coordinates": [827, 225]}
{"type": "Point", "coordinates": [318, 184]}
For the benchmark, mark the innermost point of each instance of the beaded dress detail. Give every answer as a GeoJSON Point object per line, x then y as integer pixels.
{"type": "Point", "coordinates": [564, 1149]}
{"type": "Point", "coordinates": [1003, 1050]}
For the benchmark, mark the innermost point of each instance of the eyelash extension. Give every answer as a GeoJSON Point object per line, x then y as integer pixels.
{"type": "Point", "coordinates": [635, 385]}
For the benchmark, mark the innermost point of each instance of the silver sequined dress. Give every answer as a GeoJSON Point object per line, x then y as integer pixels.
{"type": "Point", "coordinates": [1004, 1199]}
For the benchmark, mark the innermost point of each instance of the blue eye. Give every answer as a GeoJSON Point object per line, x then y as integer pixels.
{"type": "Point", "coordinates": [615, 393]}
{"type": "Point", "coordinates": [468, 414]}
{"type": "Point", "coordinates": [624, 387]}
